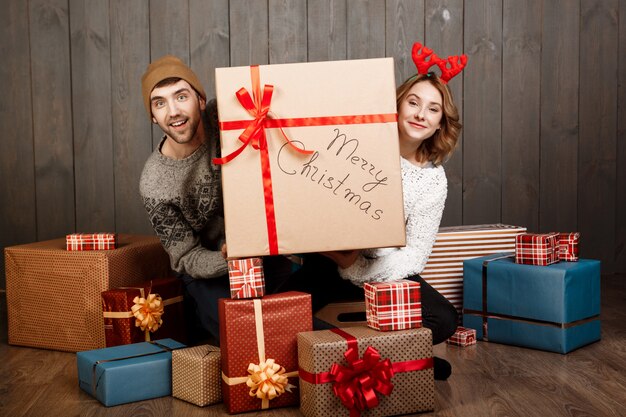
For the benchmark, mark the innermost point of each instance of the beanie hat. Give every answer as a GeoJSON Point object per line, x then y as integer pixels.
{"type": "Point", "coordinates": [167, 67]}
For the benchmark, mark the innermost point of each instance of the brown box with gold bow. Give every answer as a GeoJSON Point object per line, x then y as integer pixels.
{"type": "Point", "coordinates": [361, 371]}
{"type": "Point", "coordinates": [133, 314]}
{"type": "Point", "coordinates": [53, 295]}
{"type": "Point", "coordinates": [196, 375]}
{"type": "Point", "coordinates": [258, 338]}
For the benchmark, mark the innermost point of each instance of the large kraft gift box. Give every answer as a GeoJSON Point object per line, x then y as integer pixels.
{"type": "Point", "coordinates": [346, 194]}
{"type": "Point", "coordinates": [54, 295]}
{"type": "Point", "coordinates": [554, 308]}
{"type": "Point", "coordinates": [341, 368]}
{"type": "Point", "coordinates": [120, 323]}
{"type": "Point", "coordinates": [455, 244]}
{"type": "Point", "coordinates": [127, 373]}
{"type": "Point", "coordinates": [257, 334]}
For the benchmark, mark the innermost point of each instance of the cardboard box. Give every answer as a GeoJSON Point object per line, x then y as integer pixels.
{"type": "Point", "coordinates": [196, 375]}
{"type": "Point", "coordinates": [127, 373]}
{"type": "Point", "coordinates": [119, 321]}
{"type": "Point", "coordinates": [408, 352]}
{"type": "Point", "coordinates": [444, 269]}
{"type": "Point", "coordinates": [255, 332]}
{"type": "Point", "coordinates": [393, 305]}
{"type": "Point", "coordinates": [347, 194]}
{"type": "Point", "coordinates": [54, 295]}
{"type": "Point", "coordinates": [554, 308]}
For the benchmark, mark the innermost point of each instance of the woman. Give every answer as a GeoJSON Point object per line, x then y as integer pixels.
{"type": "Point", "coordinates": [428, 130]}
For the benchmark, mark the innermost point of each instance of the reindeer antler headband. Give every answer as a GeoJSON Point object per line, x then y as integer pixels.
{"type": "Point", "coordinates": [450, 67]}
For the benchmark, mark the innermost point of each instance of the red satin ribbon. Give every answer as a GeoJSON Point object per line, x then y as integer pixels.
{"type": "Point", "coordinates": [356, 385]}
{"type": "Point", "coordinates": [258, 107]}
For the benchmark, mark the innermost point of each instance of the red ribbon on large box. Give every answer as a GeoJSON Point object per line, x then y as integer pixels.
{"type": "Point", "coordinates": [356, 385]}
{"type": "Point", "coordinates": [254, 134]}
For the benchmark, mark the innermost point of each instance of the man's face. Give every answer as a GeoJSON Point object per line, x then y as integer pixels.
{"type": "Point", "coordinates": [176, 108]}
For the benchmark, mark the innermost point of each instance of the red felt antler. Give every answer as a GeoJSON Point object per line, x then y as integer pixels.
{"type": "Point", "coordinates": [419, 58]}
{"type": "Point", "coordinates": [450, 67]}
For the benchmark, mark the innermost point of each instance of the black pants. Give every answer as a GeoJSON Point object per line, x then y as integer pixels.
{"type": "Point", "coordinates": [319, 277]}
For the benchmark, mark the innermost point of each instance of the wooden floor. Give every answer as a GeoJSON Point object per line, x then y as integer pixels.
{"type": "Point", "coordinates": [488, 379]}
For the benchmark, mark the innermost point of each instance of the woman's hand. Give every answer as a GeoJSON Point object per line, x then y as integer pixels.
{"type": "Point", "coordinates": [343, 258]}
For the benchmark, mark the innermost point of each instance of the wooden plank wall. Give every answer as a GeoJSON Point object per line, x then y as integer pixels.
{"type": "Point", "coordinates": [543, 101]}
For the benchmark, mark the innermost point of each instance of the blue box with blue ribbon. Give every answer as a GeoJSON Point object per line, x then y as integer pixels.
{"type": "Point", "coordinates": [554, 308]}
{"type": "Point", "coordinates": [127, 373]}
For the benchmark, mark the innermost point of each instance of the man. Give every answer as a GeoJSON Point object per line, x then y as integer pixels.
{"type": "Point", "coordinates": [181, 188]}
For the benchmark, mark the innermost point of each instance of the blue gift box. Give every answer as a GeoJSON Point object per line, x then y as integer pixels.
{"type": "Point", "coordinates": [554, 308]}
{"type": "Point", "coordinates": [127, 373]}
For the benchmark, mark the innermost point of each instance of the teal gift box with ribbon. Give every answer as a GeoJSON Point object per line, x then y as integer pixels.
{"type": "Point", "coordinates": [127, 373]}
{"type": "Point", "coordinates": [553, 308]}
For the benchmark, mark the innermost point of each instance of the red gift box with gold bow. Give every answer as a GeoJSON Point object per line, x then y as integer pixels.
{"type": "Point", "coordinates": [258, 340]}
{"type": "Point", "coordinates": [309, 138]}
{"type": "Point", "coordinates": [349, 371]}
{"type": "Point", "coordinates": [135, 314]}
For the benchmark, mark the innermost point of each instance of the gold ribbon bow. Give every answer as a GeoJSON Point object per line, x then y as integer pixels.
{"type": "Point", "coordinates": [148, 312]}
{"type": "Point", "coordinates": [267, 380]}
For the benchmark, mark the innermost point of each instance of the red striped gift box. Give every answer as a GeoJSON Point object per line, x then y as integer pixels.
{"type": "Point", "coordinates": [568, 246]}
{"type": "Point", "coordinates": [91, 241]}
{"type": "Point", "coordinates": [393, 305]}
{"type": "Point", "coordinates": [246, 278]}
{"type": "Point", "coordinates": [463, 337]}
{"type": "Point", "coordinates": [537, 249]}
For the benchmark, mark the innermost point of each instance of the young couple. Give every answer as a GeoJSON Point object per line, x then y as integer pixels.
{"type": "Point", "coordinates": [181, 190]}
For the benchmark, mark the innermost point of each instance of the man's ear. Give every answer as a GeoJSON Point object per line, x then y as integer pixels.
{"type": "Point", "coordinates": [202, 102]}
{"type": "Point", "coordinates": [154, 120]}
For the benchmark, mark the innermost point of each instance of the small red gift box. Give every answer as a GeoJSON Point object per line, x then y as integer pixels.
{"type": "Point", "coordinates": [463, 337]}
{"type": "Point", "coordinates": [92, 241]}
{"type": "Point", "coordinates": [120, 321]}
{"type": "Point", "coordinates": [537, 249]}
{"type": "Point", "coordinates": [393, 305]}
{"type": "Point", "coordinates": [568, 246]}
{"type": "Point", "coordinates": [258, 338]}
{"type": "Point", "coordinates": [246, 278]}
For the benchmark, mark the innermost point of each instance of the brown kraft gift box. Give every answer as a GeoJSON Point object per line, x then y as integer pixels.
{"type": "Point", "coordinates": [256, 330]}
{"type": "Point", "coordinates": [196, 375]}
{"type": "Point", "coordinates": [410, 355]}
{"type": "Point", "coordinates": [54, 295]}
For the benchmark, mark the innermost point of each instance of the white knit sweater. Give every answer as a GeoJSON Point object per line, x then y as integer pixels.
{"type": "Point", "coordinates": [424, 190]}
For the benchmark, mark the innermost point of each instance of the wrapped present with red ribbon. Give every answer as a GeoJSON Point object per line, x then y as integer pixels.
{"type": "Point", "coordinates": [393, 305]}
{"type": "Point", "coordinates": [246, 278]}
{"type": "Point", "coordinates": [309, 138]}
{"type": "Point", "coordinates": [259, 350]}
{"type": "Point", "coordinates": [131, 314]}
{"type": "Point", "coordinates": [463, 337]}
{"type": "Point", "coordinates": [358, 370]}
{"type": "Point", "coordinates": [568, 246]}
{"type": "Point", "coordinates": [91, 241]}
{"type": "Point", "coordinates": [537, 248]}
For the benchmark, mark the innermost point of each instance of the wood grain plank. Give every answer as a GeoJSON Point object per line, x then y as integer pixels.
{"type": "Point", "coordinates": [326, 30]}
{"type": "Point", "coordinates": [209, 40]}
{"type": "Point", "coordinates": [52, 117]}
{"type": "Point", "coordinates": [404, 26]}
{"type": "Point", "coordinates": [366, 29]}
{"type": "Point", "coordinates": [558, 194]}
{"type": "Point", "coordinates": [444, 34]}
{"type": "Point", "coordinates": [169, 35]}
{"type": "Point", "coordinates": [18, 220]}
{"type": "Point", "coordinates": [287, 31]}
{"type": "Point", "coordinates": [249, 32]}
{"type": "Point", "coordinates": [620, 207]}
{"type": "Point", "coordinates": [598, 135]}
{"type": "Point", "coordinates": [91, 100]}
{"type": "Point", "coordinates": [132, 137]}
{"type": "Point", "coordinates": [521, 86]}
{"type": "Point", "coordinates": [482, 183]}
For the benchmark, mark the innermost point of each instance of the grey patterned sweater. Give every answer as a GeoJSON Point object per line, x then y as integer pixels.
{"type": "Point", "coordinates": [184, 203]}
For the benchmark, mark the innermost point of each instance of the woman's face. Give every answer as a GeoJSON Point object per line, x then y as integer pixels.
{"type": "Point", "coordinates": [419, 114]}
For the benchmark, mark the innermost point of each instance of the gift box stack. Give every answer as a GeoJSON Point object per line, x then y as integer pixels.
{"type": "Point", "coordinates": [542, 297]}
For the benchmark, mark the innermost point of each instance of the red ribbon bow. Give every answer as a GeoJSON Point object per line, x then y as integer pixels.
{"type": "Point", "coordinates": [356, 385]}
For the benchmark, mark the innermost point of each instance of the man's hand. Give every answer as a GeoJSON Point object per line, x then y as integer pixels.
{"type": "Point", "coordinates": [224, 251]}
{"type": "Point", "coordinates": [343, 258]}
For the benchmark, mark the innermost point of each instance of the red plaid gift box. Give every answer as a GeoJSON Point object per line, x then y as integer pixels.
{"type": "Point", "coordinates": [91, 241]}
{"type": "Point", "coordinates": [463, 337]}
{"type": "Point", "coordinates": [246, 278]}
{"type": "Point", "coordinates": [393, 305]}
{"type": "Point", "coordinates": [537, 249]}
{"type": "Point", "coordinates": [568, 246]}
